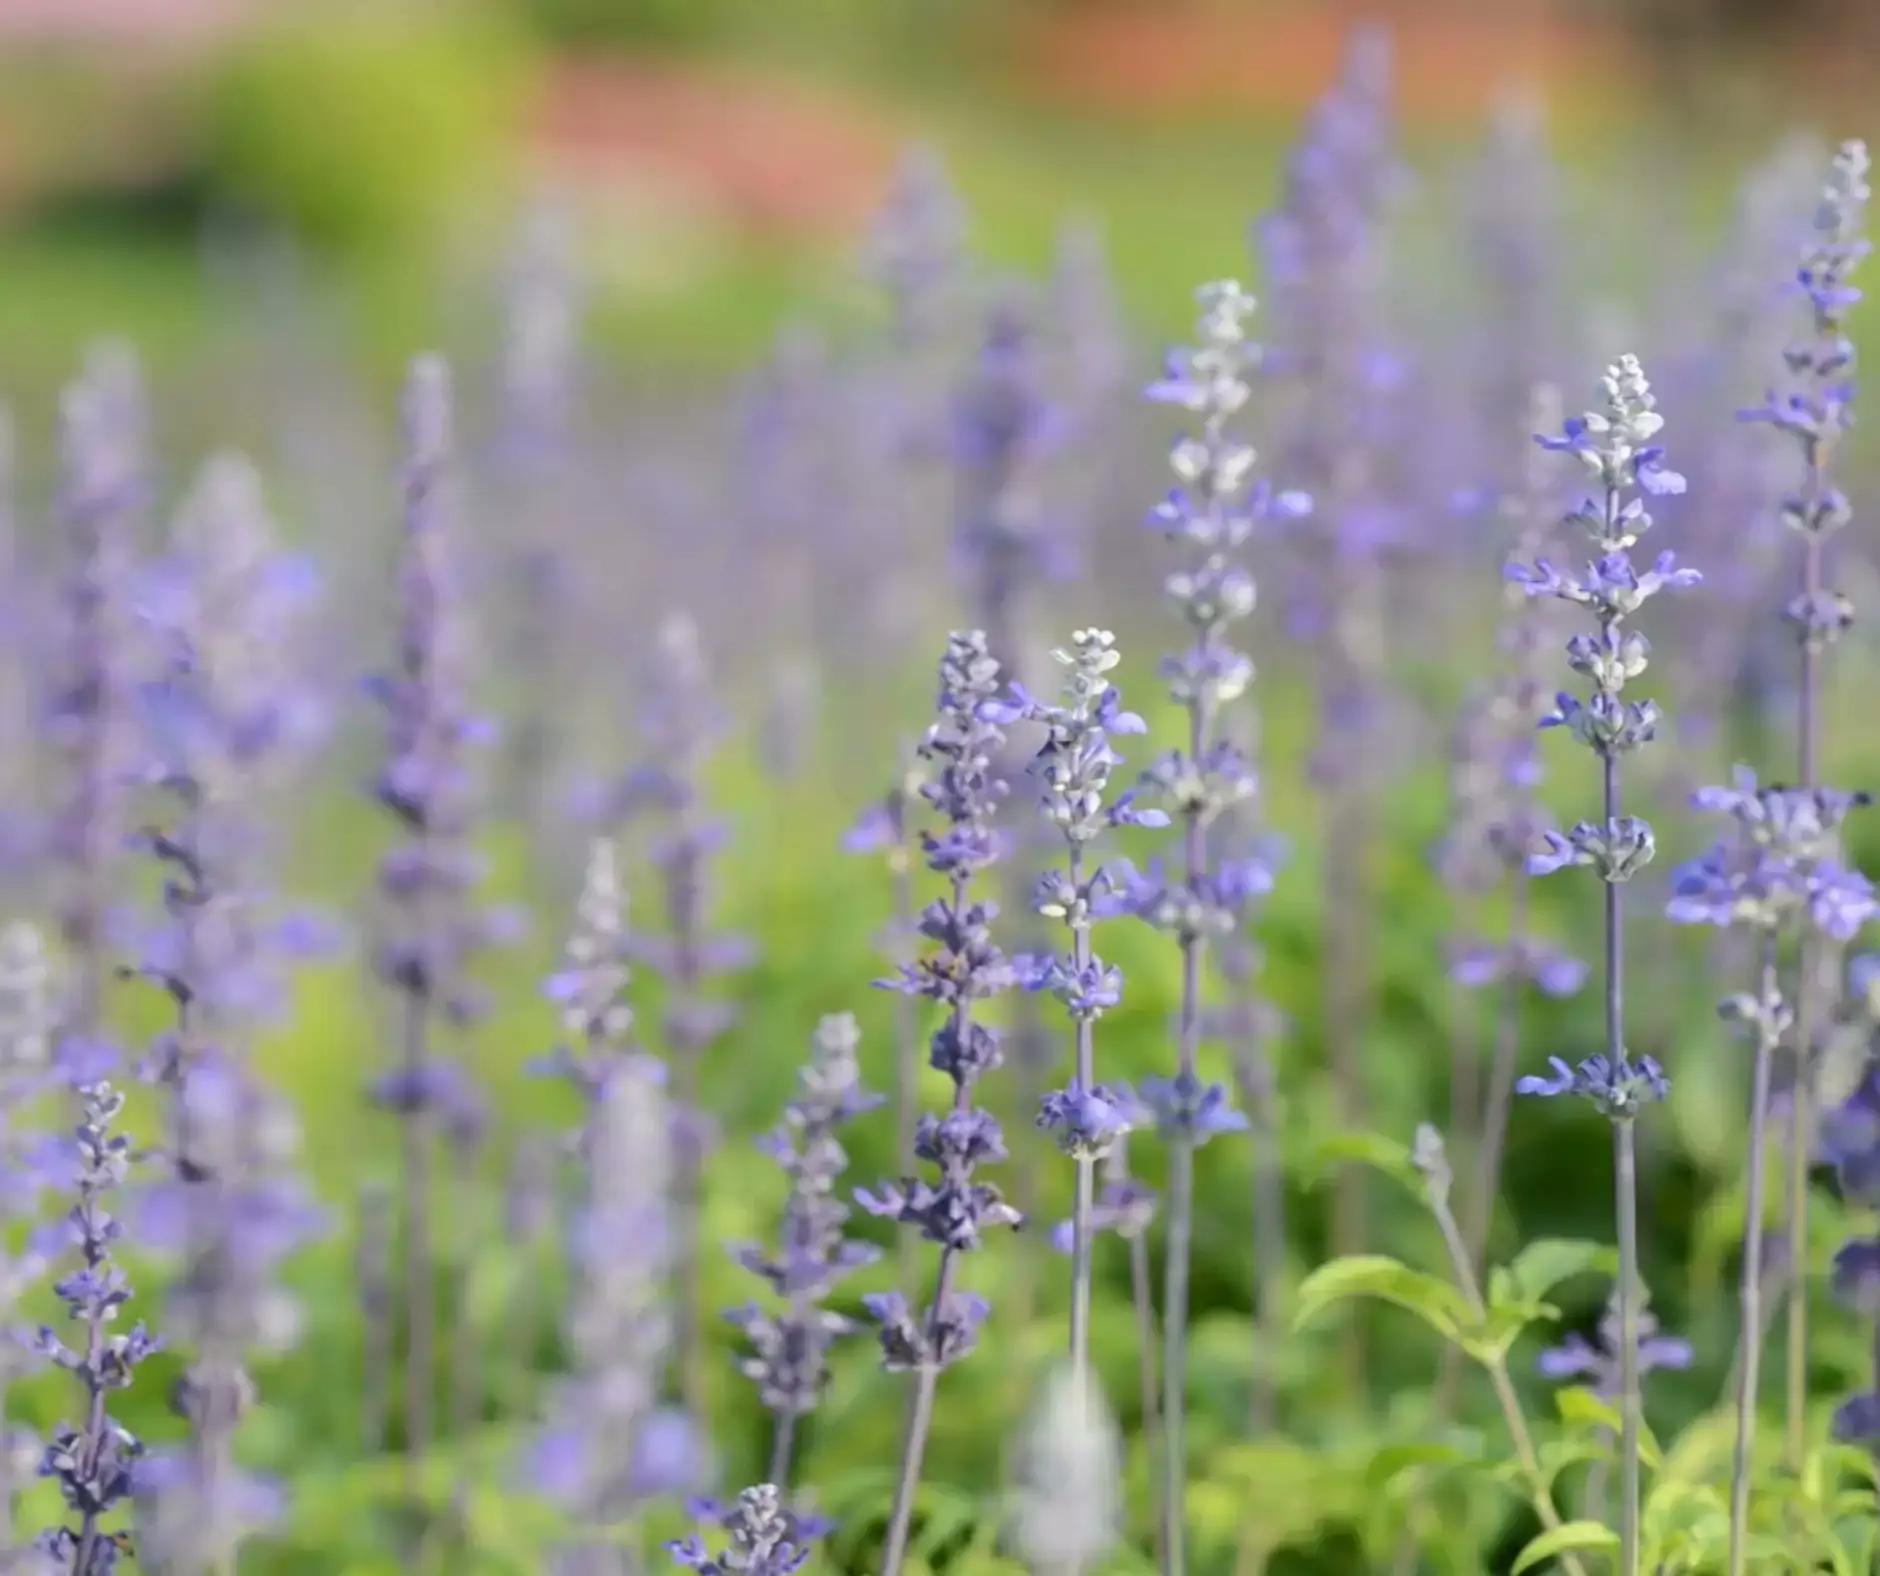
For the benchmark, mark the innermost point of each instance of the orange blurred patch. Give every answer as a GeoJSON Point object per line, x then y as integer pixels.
{"type": "Point", "coordinates": [769, 157]}
{"type": "Point", "coordinates": [1143, 58]}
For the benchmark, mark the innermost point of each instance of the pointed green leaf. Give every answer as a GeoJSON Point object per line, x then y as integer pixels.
{"type": "Point", "coordinates": [1434, 1301]}
{"type": "Point", "coordinates": [1370, 1149]}
{"type": "Point", "coordinates": [1573, 1537]}
{"type": "Point", "coordinates": [1541, 1266]}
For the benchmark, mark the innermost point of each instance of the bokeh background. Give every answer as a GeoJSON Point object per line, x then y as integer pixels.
{"type": "Point", "coordinates": [275, 204]}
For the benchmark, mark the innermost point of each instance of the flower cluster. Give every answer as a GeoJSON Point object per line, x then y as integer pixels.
{"type": "Point", "coordinates": [95, 1461]}
{"type": "Point", "coordinates": [103, 485]}
{"type": "Point", "coordinates": [1816, 405]}
{"type": "Point", "coordinates": [965, 967]}
{"type": "Point", "coordinates": [1616, 446]}
{"type": "Point", "coordinates": [1780, 865]}
{"type": "Point", "coordinates": [609, 1446]}
{"type": "Point", "coordinates": [233, 1219]}
{"type": "Point", "coordinates": [788, 1360]}
{"type": "Point", "coordinates": [1619, 1088]}
{"type": "Point", "coordinates": [764, 1539]}
{"type": "Point", "coordinates": [427, 782]}
{"type": "Point", "coordinates": [1073, 767]}
{"type": "Point", "coordinates": [1003, 428]}
{"type": "Point", "coordinates": [1596, 1360]}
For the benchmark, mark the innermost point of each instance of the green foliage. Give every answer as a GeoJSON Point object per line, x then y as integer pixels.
{"type": "Point", "coordinates": [1435, 1302]}
{"type": "Point", "coordinates": [1573, 1537]}
{"type": "Point", "coordinates": [357, 128]}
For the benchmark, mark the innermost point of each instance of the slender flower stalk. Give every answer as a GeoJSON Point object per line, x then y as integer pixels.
{"type": "Point", "coordinates": [1330, 361]}
{"type": "Point", "coordinates": [961, 749]}
{"type": "Point", "coordinates": [27, 1021]}
{"type": "Point", "coordinates": [94, 1462]}
{"type": "Point", "coordinates": [1432, 1161]}
{"type": "Point", "coordinates": [883, 828]}
{"type": "Point", "coordinates": [683, 725]}
{"type": "Point", "coordinates": [426, 785]}
{"type": "Point", "coordinates": [1777, 872]}
{"type": "Point", "coordinates": [101, 500]}
{"type": "Point", "coordinates": [789, 1350]}
{"type": "Point", "coordinates": [1073, 768]}
{"type": "Point", "coordinates": [1815, 407]}
{"type": "Point", "coordinates": [1207, 516]}
{"type": "Point", "coordinates": [1616, 447]}
{"type": "Point", "coordinates": [608, 1445]}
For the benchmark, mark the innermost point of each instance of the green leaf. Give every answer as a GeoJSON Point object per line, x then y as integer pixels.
{"type": "Point", "coordinates": [1538, 1268]}
{"type": "Point", "coordinates": [1581, 1408]}
{"type": "Point", "coordinates": [1488, 1338]}
{"type": "Point", "coordinates": [1393, 1461]}
{"type": "Point", "coordinates": [1573, 1537]}
{"type": "Point", "coordinates": [1434, 1301]}
{"type": "Point", "coordinates": [1373, 1150]}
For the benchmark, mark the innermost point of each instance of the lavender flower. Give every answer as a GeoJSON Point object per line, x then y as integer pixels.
{"type": "Point", "coordinates": [1073, 768]}
{"type": "Point", "coordinates": [966, 967]}
{"type": "Point", "coordinates": [234, 1219]}
{"type": "Point", "coordinates": [883, 829]}
{"type": "Point", "coordinates": [432, 933]}
{"type": "Point", "coordinates": [789, 1350]}
{"type": "Point", "coordinates": [918, 246]}
{"type": "Point", "coordinates": [102, 495]}
{"type": "Point", "coordinates": [1002, 428]}
{"type": "Point", "coordinates": [1596, 1360]}
{"type": "Point", "coordinates": [609, 1446]}
{"type": "Point", "coordinates": [1496, 818]}
{"type": "Point", "coordinates": [1207, 517]}
{"type": "Point", "coordinates": [1616, 447]}
{"type": "Point", "coordinates": [1814, 407]}
{"type": "Point", "coordinates": [683, 725]}
{"type": "Point", "coordinates": [764, 1538]}
{"type": "Point", "coordinates": [1334, 376]}
{"type": "Point", "coordinates": [94, 1462]}
{"type": "Point", "coordinates": [31, 1164]}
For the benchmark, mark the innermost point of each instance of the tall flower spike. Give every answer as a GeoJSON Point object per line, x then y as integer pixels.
{"type": "Point", "coordinates": [965, 967]}
{"type": "Point", "coordinates": [1616, 447]}
{"type": "Point", "coordinates": [32, 1165]}
{"type": "Point", "coordinates": [1774, 872]}
{"type": "Point", "coordinates": [788, 1358]}
{"type": "Point", "coordinates": [1073, 768]}
{"type": "Point", "coordinates": [918, 246]}
{"type": "Point", "coordinates": [1003, 426]}
{"type": "Point", "coordinates": [1207, 518]}
{"type": "Point", "coordinates": [1333, 373]}
{"type": "Point", "coordinates": [1815, 408]}
{"type": "Point", "coordinates": [219, 723]}
{"type": "Point", "coordinates": [431, 932]}
{"type": "Point", "coordinates": [608, 1446]}
{"type": "Point", "coordinates": [94, 1462]}
{"type": "Point", "coordinates": [101, 500]}
{"type": "Point", "coordinates": [1495, 780]}
{"type": "Point", "coordinates": [683, 724]}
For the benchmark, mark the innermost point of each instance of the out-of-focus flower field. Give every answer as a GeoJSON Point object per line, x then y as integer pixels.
{"type": "Point", "coordinates": [487, 492]}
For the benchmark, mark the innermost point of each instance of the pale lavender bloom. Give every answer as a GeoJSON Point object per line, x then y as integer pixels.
{"type": "Point", "coordinates": [764, 1539]}
{"type": "Point", "coordinates": [102, 496]}
{"type": "Point", "coordinates": [788, 1360]}
{"type": "Point", "coordinates": [917, 250]}
{"type": "Point", "coordinates": [234, 1218]}
{"type": "Point", "coordinates": [95, 1461]}
{"type": "Point", "coordinates": [1596, 1360]}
